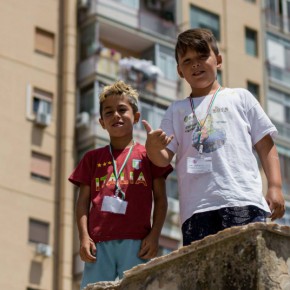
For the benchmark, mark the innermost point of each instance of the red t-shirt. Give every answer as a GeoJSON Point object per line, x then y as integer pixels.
{"type": "Point", "coordinates": [96, 170]}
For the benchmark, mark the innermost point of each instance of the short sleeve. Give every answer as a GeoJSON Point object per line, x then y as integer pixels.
{"type": "Point", "coordinates": [260, 123]}
{"type": "Point", "coordinates": [81, 174]}
{"type": "Point", "coordinates": [158, 172]}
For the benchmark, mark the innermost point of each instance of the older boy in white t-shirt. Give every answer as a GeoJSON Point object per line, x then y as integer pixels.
{"type": "Point", "coordinates": [214, 133]}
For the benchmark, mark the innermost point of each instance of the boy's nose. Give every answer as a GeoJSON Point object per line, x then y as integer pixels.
{"type": "Point", "coordinates": [116, 114]}
{"type": "Point", "coordinates": [195, 64]}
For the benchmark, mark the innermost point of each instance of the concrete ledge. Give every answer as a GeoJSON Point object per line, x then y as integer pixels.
{"type": "Point", "coordinates": [256, 256]}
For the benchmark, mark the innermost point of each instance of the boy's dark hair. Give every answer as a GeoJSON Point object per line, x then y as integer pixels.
{"type": "Point", "coordinates": [122, 89]}
{"type": "Point", "coordinates": [198, 39]}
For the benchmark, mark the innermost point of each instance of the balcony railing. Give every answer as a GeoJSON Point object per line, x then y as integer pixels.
{"type": "Point", "coordinates": [133, 14]}
{"type": "Point", "coordinates": [278, 21]}
{"type": "Point", "coordinates": [279, 75]}
{"type": "Point", "coordinates": [153, 23]}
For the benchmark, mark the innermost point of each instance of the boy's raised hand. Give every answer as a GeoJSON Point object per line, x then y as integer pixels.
{"type": "Point", "coordinates": [156, 139]}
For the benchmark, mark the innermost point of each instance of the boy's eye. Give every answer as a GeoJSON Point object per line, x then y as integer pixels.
{"type": "Point", "coordinates": [107, 113]}
{"type": "Point", "coordinates": [203, 56]}
{"type": "Point", "coordinates": [123, 110]}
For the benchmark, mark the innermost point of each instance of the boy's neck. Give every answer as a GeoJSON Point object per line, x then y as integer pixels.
{"type": "Point", "coordinates": [121, 143]}
{"type": "Point", "coordinates": [210, 90]}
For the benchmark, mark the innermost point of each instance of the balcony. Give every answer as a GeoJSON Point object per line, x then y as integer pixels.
{"type": "Point", "coordinates": [105, 63]}
{"type": "Point", "coordinates": [131, 15]}
{"type": "Point", "coordinates": [89, 129]}
{"type": "Point", "coordinates": [152, 23]}
{"type": "Point", "coordinates": [279, 75]}
{"type": "Point", "coordinates": [117, 9]}
{"type": "Point", "coordinates": [277, 21]}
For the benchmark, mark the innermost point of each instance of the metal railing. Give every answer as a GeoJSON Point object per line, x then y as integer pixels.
{"type": "Point", "coordinates": [281, 22]}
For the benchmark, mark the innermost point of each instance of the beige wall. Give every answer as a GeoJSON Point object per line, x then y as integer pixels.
{"type": "Point", "coordinates": [21, 196]}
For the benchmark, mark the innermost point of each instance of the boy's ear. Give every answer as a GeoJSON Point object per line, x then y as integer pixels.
{"type": "Point", "coordinates": [136, 117]}
{"type": "Point", "coordinates": [219, 61]}
{"type": "Point", "coordinates": [102, 123]}
{"type": "Point", "coordinates": [179, 72]}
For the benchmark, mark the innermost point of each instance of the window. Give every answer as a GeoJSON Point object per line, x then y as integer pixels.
{"type": "Point", "coordinates": [279, 111]}
{"type": "Point", "coordinates": [254, 89]}
{"type": "Point", "coordinates": [278, 14]}
{"type": "Point", "coordinates": [251, 42]}
{"type": "Point", "coordinates": [278, 59]}
{"type": "Point", "coordinates": [205, 19]}
{"type": "Point", "coordinates": [41, 101]}
{"type": "Point", "coordinates": [89, 40]}
{"type": "Point", "coordinates": [166, 62]}
{"type": "Point", "coordinates": [38, 231]}
{"type": "Point", "coordinates": [44, 42]}
{"type": "Point", "coordinates": [40, 166]}
{"type": "Point", "coordinates": [287, 115]}
{"type": "Point", "coordinates": [89, 98]}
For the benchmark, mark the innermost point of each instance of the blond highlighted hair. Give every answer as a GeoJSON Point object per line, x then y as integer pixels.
{"type": "Point", "coordinates": [120, 88]}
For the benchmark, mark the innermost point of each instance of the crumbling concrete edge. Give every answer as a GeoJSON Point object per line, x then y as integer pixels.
{"type": "Point", "coordinates": [209, 240]}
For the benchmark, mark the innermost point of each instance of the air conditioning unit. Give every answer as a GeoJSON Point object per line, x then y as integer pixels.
{"type": "Point", "coordinates": [42, 119]}
{"type": "Point", "coordinates": [83, 120]}
{"type": "Point", "coordinates": [83, 4]}
{"type": "Point", "coordinates": [43, 249]}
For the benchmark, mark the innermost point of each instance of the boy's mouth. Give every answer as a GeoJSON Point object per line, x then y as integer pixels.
{"type": "Point", "coordinates": [118, 124]}
{"type": "Point", "coordinates": [197, 73]}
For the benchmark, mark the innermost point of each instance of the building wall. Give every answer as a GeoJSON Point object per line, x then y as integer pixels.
{"type": "Point", "coordinates": [22, 196]}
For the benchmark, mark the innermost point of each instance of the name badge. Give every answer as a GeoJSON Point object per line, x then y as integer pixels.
{"type": "Point", "coordinates": [199, 165]}
{"type": "Point", "coordinates": [114, 205]}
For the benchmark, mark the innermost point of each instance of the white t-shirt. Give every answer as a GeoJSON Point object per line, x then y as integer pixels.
{"type": "Point", "coordinates": [235, 123]}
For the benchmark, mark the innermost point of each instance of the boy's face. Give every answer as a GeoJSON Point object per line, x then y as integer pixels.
{"type": "Point", "coordinates": [199, 70]}
{"type": "Point", "coordinates": [118, 117]}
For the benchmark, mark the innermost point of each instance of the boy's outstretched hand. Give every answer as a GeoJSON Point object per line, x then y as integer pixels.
{"type": "Point", "coordinates": [156, 139]}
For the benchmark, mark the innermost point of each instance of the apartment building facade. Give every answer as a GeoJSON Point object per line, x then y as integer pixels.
{"type": "Point", "coordinates": [37, 89]}
{"type": "Point", "coordinates": [55, 58]}
{"type": "Point", "coordinates": [277, 82]}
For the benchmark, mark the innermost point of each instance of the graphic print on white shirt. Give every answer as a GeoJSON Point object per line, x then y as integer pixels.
{"type": "Point", "coordinates": [212, 134]}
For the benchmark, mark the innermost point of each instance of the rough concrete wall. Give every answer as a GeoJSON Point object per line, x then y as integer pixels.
{"type": "Point", "coordinates": [256, 256]}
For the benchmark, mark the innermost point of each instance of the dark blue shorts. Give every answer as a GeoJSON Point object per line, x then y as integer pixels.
{"type": "Point", "coordinates": [208, 223]}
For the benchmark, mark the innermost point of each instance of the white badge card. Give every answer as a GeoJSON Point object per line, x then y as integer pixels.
{"type": "Point", "coordinates": [199, 165]}
{"type": "Point", "coordinates": [114, 205]}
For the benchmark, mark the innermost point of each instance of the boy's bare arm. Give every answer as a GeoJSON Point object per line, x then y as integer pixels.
{"type": "Point", "coordinates": [156, 143]}
{"type": "Point", "coordinates": [149, 245]}
{"type": "Point", "coordinates": [87, 245]}
{"type": "Point", "coordinates": [269, 158]}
